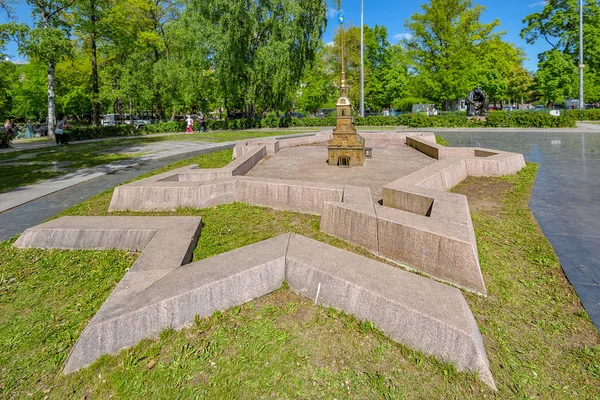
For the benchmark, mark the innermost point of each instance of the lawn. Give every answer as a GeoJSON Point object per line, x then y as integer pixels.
{"type": "Point", "coordinates": [539, 340]}
{"type": "Point", "coordinates": [19, 168]}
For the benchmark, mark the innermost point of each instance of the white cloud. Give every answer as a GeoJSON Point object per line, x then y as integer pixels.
{"type": "Point", "coordinates": [400, 36]}
{"type": "Point", "coordinates": [329, 44]}
{"type": "Point", "coordinates": [538, 4]}
{"type": "Point", "coordinates": [332, 12]}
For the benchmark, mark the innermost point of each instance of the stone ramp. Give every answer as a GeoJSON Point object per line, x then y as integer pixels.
{"type": "Point", "coordinates": [155, 294]}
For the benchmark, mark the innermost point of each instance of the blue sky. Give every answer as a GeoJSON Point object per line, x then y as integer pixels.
{"type": "Point", "coordinates": [394, 13]}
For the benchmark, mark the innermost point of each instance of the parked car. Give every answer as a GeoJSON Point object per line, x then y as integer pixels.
{"type": "Point", "coordinates": [111, 119]}
{"type": "Point", "coordinates": [292, 115]}
{"type": "Point", "coordinates": [136, 121]}
{"type": "Point", "coordinates": [40, 130]}
{"type": "Point", "coordinates": [325, 112]}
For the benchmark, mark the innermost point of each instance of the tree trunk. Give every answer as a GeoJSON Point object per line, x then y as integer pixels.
{"type": "Point", "coordinates": [95, 84]}
{"type": "Point", "coordinates": [51, 101]}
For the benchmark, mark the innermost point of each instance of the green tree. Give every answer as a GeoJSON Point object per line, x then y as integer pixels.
{"type": "Point", "coordinates": [385, 66]}
{"type": "Point", "coordinates": [556, 77]}
{"type": "Point", "coordinates": [317, 89]}
{"type": "Point", "coordinates": [29, 93]}
{"type": "Point", "coordinates": [8, 76]}
{"type": "Point", "coordinates": [89, 20]}
{"type": "Point", "coordinates": [445, 48]}
{"type": "Point", "coordinates": [47, 41]}
{"type": "Point", "coordinates": [389, 80]}
{"type": "Point", "coordinates": [502, 75]}
{"type": "Point", "coordinates": [558, 25]}
{"type": "Point", "coordinates": [259, 49]}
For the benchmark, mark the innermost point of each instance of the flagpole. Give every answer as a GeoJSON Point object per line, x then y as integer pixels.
{"type": "Point", "coordinates": [581, 102]}
{"type": "Point", "coordinates": [362, 62]}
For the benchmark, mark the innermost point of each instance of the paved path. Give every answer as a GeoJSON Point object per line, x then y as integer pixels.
{"type": "Point", "coordinates": [38, 202]}
{"type": "Point", "coordinates": [565, 199]}
{"type": "Point", "coordinates": [153, 151]}
{"type": "Point", "coordinates": [16, 220]}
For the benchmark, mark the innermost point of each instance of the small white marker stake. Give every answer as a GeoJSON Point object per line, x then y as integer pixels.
{"type": "Point", "coordinates": [318, 291]}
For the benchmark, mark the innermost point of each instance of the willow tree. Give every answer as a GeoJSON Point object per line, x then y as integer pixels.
{"type": "Point", "coordinates": [260, 49]}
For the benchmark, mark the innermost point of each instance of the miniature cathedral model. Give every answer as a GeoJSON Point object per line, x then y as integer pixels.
{"type": "Point", "coordinates": [347, 148]}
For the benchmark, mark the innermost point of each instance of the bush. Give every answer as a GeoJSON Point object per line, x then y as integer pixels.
{"type": "Point", "coordinates": [588, 115]}
{"type": "Point", "coordinates": [376, 121]}
{"type": "Point", "coordinates": [407, 103]}
{"type": "Point", "coordinates": [494, 119]}
{"type": "Point", "coordinates": [528, 119]}
{"type": "Point", "coordinates": [96, 132]}
{"type": "Point", "coordinates": [330, 121]}
{"type": "Point", "coordinates": [270, 121]}
{"type": "Point", "coordinates": [165, 127]}
{"type": "Point", "coordinates": [5, 139]}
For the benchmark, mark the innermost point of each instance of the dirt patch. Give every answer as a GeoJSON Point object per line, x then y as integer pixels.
{"type": "Point", "coordinates": [483, 194]}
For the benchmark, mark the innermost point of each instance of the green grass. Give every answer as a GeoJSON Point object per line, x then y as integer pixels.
{"type": "Point", "coordinates": [441, 141]}
{"type": "Point", "coordinates": [84, 155]}
{"type": "Point", "coordinates": [540, 342]}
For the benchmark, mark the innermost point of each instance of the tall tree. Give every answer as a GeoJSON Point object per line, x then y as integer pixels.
{"type": "Point", "coordinates": [558, 25]}
{"type": "Point", "coordinates": [48, 41]}
{"type": "Point", "coordinates": [556, 77]}
{"type": "Point", "coordinates": [445, 47]}
{"type": "Point", "coordinates": [8, 77]}
{"type": "Point", "coordinates": [317, 88]}
{"type": "Point", "coordinates": [385, 66]}
{"type": "Point", "coordinates": [89, 16]}
{"type": "Point", "coordinates": [260, 48]}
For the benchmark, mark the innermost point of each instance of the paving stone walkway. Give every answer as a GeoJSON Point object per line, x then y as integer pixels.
{"type": "Point", "coordinates": [565, 199]}
{"type": "Point", "coordinates": [44, 206]}
{"type": "Point", "coordinates": [31, 205]}
{"type": "Point", "coordinates": [153, 151]}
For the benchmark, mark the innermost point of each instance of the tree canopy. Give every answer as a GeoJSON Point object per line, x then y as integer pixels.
{"type": "Point", "coordinates": [251, 57]}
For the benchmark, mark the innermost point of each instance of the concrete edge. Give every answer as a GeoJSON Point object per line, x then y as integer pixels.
{"type": "Point", "coordinates": [359, 286]}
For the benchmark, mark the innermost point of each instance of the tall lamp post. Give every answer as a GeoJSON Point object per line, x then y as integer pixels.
{"type": "Point", "coordinates": [581, 103]}
{"type": "Point", "coordinates": [362, 61]}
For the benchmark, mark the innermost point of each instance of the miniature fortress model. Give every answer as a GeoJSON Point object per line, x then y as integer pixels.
{"type": "Point", "coordinates": [417, 224]}
{"type": "Point", "coordinates": [347, 147]}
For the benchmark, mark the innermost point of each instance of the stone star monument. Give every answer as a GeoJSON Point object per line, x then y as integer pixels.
{"type": "Point", "coordinates": [347, 148]}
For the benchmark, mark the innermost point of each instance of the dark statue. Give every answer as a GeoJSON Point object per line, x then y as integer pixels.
{"type": "Point", "coordinates": [476, 102]}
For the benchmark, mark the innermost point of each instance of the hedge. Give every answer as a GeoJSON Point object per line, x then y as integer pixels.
{"type": "Point", "coordinates": [528, 119]}
{"type": "Point", "coordinates": [588, 115]}
{"type": "Point", "coordinates": [494, 119]}
{"type": "Point", "coordinates": [97, 132]}
{"type": "Point", "coordinates": [5, 139]}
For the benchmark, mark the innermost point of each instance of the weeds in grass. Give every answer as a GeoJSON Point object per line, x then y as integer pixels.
{"type": "Point", "coordinates": [441, 141]}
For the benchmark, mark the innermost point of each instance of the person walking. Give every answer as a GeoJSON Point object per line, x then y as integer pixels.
{"type": "Point", "coordinates": [59, 132]}
{"type": "Point", "coordinates": [190, 125]}
{"type": "Point", "coordinates": [9, 127]}
{"type": "Point", "coordinates": [28, 130]}
{"type": "Point", "coordinates": [202, 122]}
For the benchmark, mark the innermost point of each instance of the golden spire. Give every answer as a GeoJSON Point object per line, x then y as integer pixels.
{"type": "Point", "coordinates": [343, 87]}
